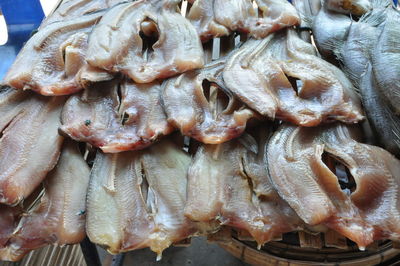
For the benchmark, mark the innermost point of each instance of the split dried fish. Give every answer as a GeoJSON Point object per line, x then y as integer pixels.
{"type": "Point", "coordinates": [136, 199]}
{"type": "Point", "coordinates": [71, 9]}
{"type": "Point", "coordinates": [209, 119]}
{"type": "Point", "coordinates": [367, 213]}
{"type": "Point", "coordinates": [100, 118]}
{"type": "Point", "coordinates": [262, 72]}
{"type": "Point", "coordinates": [216, 18]}
{"type": "Point", "coordinates": [358, 52]}
{"type": "Point", "coordinates": [229, 183]}
{"type": "Point", "coordinates": [50, 60]}
{"type": "Point", "coordinates": [386, 60]}
{"type": "Point", "coordinates": [355, 7]}
{"type": "Point", "coordinates": [57, 216]}
{"type": "Point", "coordinates": [29, 144]}
{"type": "Point", "coordinates": [116, 43]}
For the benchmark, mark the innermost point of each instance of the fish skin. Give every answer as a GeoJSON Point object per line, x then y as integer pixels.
{"type": "Point", "coordinates": [52, 57]}
{"type": "Point", "coordinates": [356, 50]}
{"type": "Point", "coordinates": [100, 118]}
{"type": "Point", "coordinates": [270, 93]}
{"type": "Point", "coordinates": [58, 216]}
{"type": "Point", "coordinates": [384, 122]}
{"type": "Point", "coordinates": [229, 183]}
{"type": "Point", "coordinates": [208, 121]}
{"type": "Point", "coordinates": [375, 171]}
{"type": "Point", "coordinates": [329, 30]}
{"type": "Point", "coordinates": [29, 147]}
{"type": "Point", "coordinates": [136, 199]}
{"type": "Point", "coordinates": [387, 53]}
{"type": "Point", "coordinates": [116, 46]}
{"type": "Point", "coordinates": [307, 10]}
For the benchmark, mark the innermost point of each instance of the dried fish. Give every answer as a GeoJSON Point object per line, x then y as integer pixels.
{"type": "Point", "coordinates": [29, 146]}
{"type": "Point", "coordinates": [386, 60]}
{"type": "Point", "coordinates": [57, 216]}
{"type": "Point", "coordinates": [136, 199]}
{"type": "Point", "coordinates": [216, 18]}
{"type": "Point", "coordinates": [100, 118]}
{"type": "Point", "coordinates": [229, 183]}
{"type": "Point", "coordinates": [357, 51]}
{"type": "Point", "coordinates": [71, 9]}
{"type": "Point", "coordinates": [116, 43]}
{"type": "Point", "coordinates": [190, 108]}
{"type": "Point", "coordinates": [385, 124]}
{"type": "Point", "coordinates": [9, 220]}
{"type": "Point", "coordinates": [355, 7]}
{"type": "Point", "coordinates": [50, 60]}
{"type": "Point", "coordinates": [368, 212]}
{"type": "Point", "coordinates": [265, 73]}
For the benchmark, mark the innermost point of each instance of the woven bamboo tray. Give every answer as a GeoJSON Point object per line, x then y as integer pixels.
{"type": "Point", "coordinates": [311, 250]}
{"type": "Point", "coordinates": [52, 256]}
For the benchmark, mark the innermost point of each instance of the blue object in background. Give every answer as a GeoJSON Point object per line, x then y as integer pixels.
{"type": "Point", "coordinates": [22, 17]}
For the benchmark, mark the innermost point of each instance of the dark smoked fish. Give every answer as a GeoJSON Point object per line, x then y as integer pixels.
{"type": "Point", "coordinates": [100, 118]}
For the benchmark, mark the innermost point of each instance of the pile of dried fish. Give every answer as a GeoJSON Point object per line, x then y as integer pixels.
{"type": "Point", "coordinates": [154, 121]}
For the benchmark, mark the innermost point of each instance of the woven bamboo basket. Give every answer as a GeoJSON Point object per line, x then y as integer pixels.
{"type": "Point", "coordinates": [70, 255]}
{"type": "Point", "coordinates": [299, 249]}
